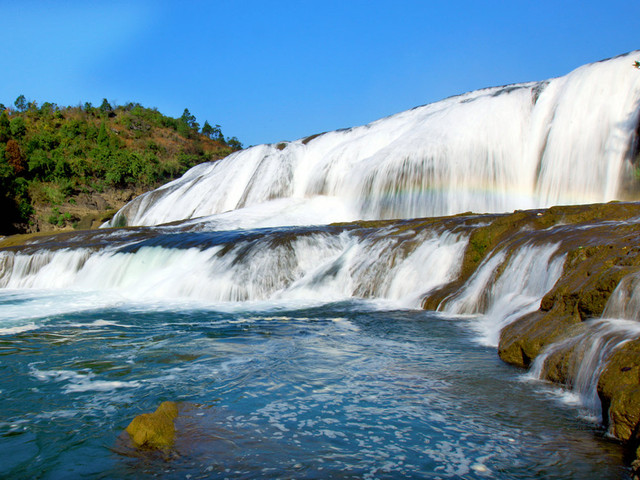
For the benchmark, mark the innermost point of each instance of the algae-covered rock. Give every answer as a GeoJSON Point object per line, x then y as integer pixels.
{"type": "Point", "coordinates": [154, 430]}
{"type": "Point", "coordinates": [590, 276]}
{"type": "Point", "coordinates": [522, 340]}
{"type": "Point", "coordinates": [562, 363]}
{"type": "Point", "coordinates": [619, 392]}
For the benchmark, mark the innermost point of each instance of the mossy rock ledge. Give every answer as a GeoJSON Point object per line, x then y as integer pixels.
{"type": "Point", "coordinates": [590, 276]}
{"type": "Point", "coordinates": [619, 392]}
{"type": "Point", "coordinates": [154, 431]}
{"type": "Point", "coordinates": [601, 246]}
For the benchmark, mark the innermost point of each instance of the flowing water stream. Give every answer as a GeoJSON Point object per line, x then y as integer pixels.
{"type": "Point", "coordinates": [347, 390]}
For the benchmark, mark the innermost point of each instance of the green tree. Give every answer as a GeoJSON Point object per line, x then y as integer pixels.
{"type": "Point", "coordinates": [207, 129]}
{"type": "Point", "coordinates": [213, 133]}
{"type": "Point", "coordinates": [18, 127]}
{"type": "Point", "coordinates": [189, 119]}
{"type": "Point", "coordinates": [21, 103]}
{"type": "Point", "coordinates": [88, 108]}
{"type": "Point", "coordinates": [40, 165]}
{"type": "Point", "coordinates": [106, 108]}
{"type": "Point", "coordinates": [234, 143]}
{"type": "Point", "coordinates": [48, 108]}
{"type": "Point", "coordinates": [103, 135]}
{"type": "Point", "coordinates": [5, 128]}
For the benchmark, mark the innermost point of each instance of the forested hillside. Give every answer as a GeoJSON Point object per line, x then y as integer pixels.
{"type": "Point", "coordinates": [73, 166]}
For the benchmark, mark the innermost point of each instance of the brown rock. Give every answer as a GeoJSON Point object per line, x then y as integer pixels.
{"type": "Point", "coordinates": [523, 340]}
{"type": "Point", "coordinates": [619, 392]}
{"type": "Point", "coordinates": [154, 430]}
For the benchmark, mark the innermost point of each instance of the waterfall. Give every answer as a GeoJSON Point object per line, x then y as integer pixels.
{"type": "Point", "coordinates": [587, 351]}
{"type": "Point", "coordinates": [592, 343]}
{"type": "Point", "coordinates": [503, 297]}
{"type": "Point", "coordinates": [271, 265]}
{"type": "Point", "coordinates": [625, 300]}
{"type": "Point", "coordinates": [532, 145]}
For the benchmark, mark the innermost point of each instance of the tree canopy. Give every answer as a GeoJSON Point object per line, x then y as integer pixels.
{"type": "Point", "coordinates": [49, 153]}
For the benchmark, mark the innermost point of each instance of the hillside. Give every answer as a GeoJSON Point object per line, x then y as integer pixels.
{"type": "Point", "coordinates": [73, 167]}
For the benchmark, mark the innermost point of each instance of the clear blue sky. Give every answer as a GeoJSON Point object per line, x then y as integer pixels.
{"type": "Point", "coordinates": [279, 70]}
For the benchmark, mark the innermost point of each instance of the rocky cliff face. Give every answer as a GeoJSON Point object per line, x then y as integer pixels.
{"type": "Point", "coordinates": [567, 339]}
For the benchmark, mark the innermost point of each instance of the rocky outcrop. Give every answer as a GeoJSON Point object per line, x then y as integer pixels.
{"type": "Point", "coordinates": [154, 430]}
{"type": "Point", "coordinates": [619, 392]}
{"type": "Point", "coordinates": [601, 246]}
{"type": "Point", "coordinates": [591, 274]}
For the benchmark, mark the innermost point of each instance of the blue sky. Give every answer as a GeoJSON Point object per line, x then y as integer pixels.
{"type": "Point", "coordinates": [268, 71]}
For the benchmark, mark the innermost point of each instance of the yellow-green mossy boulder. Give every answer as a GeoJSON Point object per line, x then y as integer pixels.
{"type": "Point", "coordinates": [154, 430]}
{"type": "Point", "coordinates": [619, 392]}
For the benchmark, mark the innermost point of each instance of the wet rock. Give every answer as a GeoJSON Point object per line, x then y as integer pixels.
{"type": "Point", "coordinates": [635, 467]}
{"type": "Point", "coordinates": [523, 340]}
{"type": "Point", "coordinates": [601, 248]}
{"type": "Point", "coordinates": [590, 276]}
{"type": "Point", "coordinates": [562, 364]}
{"type": "Point", "coordinates": [154, 430]}
{"type": "Point", "coordinates": [619, 392]}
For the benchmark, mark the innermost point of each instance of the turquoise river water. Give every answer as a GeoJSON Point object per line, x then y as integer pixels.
{"type": "Point", "coordinates": [339, 390]}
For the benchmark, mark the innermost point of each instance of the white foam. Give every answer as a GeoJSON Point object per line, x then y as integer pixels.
{"type": "Point", "coordinates": [79, 382]}
{"type": "Point", "coordinates": [298, 269]}
{"type": "Point", "coordinates": [18, 329]}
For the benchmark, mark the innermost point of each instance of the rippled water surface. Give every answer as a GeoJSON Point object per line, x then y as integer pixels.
{"type": "Point", "coordinates": [345, 390]}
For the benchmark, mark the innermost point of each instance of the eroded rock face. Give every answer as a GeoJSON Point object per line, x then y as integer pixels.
{"type": "Point", "coordinates": [154, 430]}
{"type": "Point", "coordinates": [523, 340]}
{"type": "Point", "coordinates": [619, 392]}
{"type": "Point", "coordinates": [590, 276]}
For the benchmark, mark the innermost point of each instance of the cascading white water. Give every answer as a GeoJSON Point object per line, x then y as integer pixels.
{"type": "Point", "coordinates": [320, 266]}
{"type": "Point", "coordinates": [625, 299]}
{"type": "Point", "coordinates": [591, 347]}
{"type": "Point", "coordinates": [528, 145]}
{"type": "Point", "coordinates": [492, 150]}
{"type": "Point", "coordinates": [593, 343]}
{"type": "Point", "coordinates": [530, 273]}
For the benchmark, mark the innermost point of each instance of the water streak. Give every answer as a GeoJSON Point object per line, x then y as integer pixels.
{"type": "Point", "coordinates": [502, 297]}
{"type": "Point", "coordinates": [587, 353]}
{"type": "Point", "coordinates": [588, 348]}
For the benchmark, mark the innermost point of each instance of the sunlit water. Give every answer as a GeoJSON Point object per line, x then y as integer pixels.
{"type": "Point", "coordinates": [342, 390]}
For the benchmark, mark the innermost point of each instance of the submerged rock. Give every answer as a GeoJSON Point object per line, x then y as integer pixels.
{"type": "Point", "coordinates": [154, 430]}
